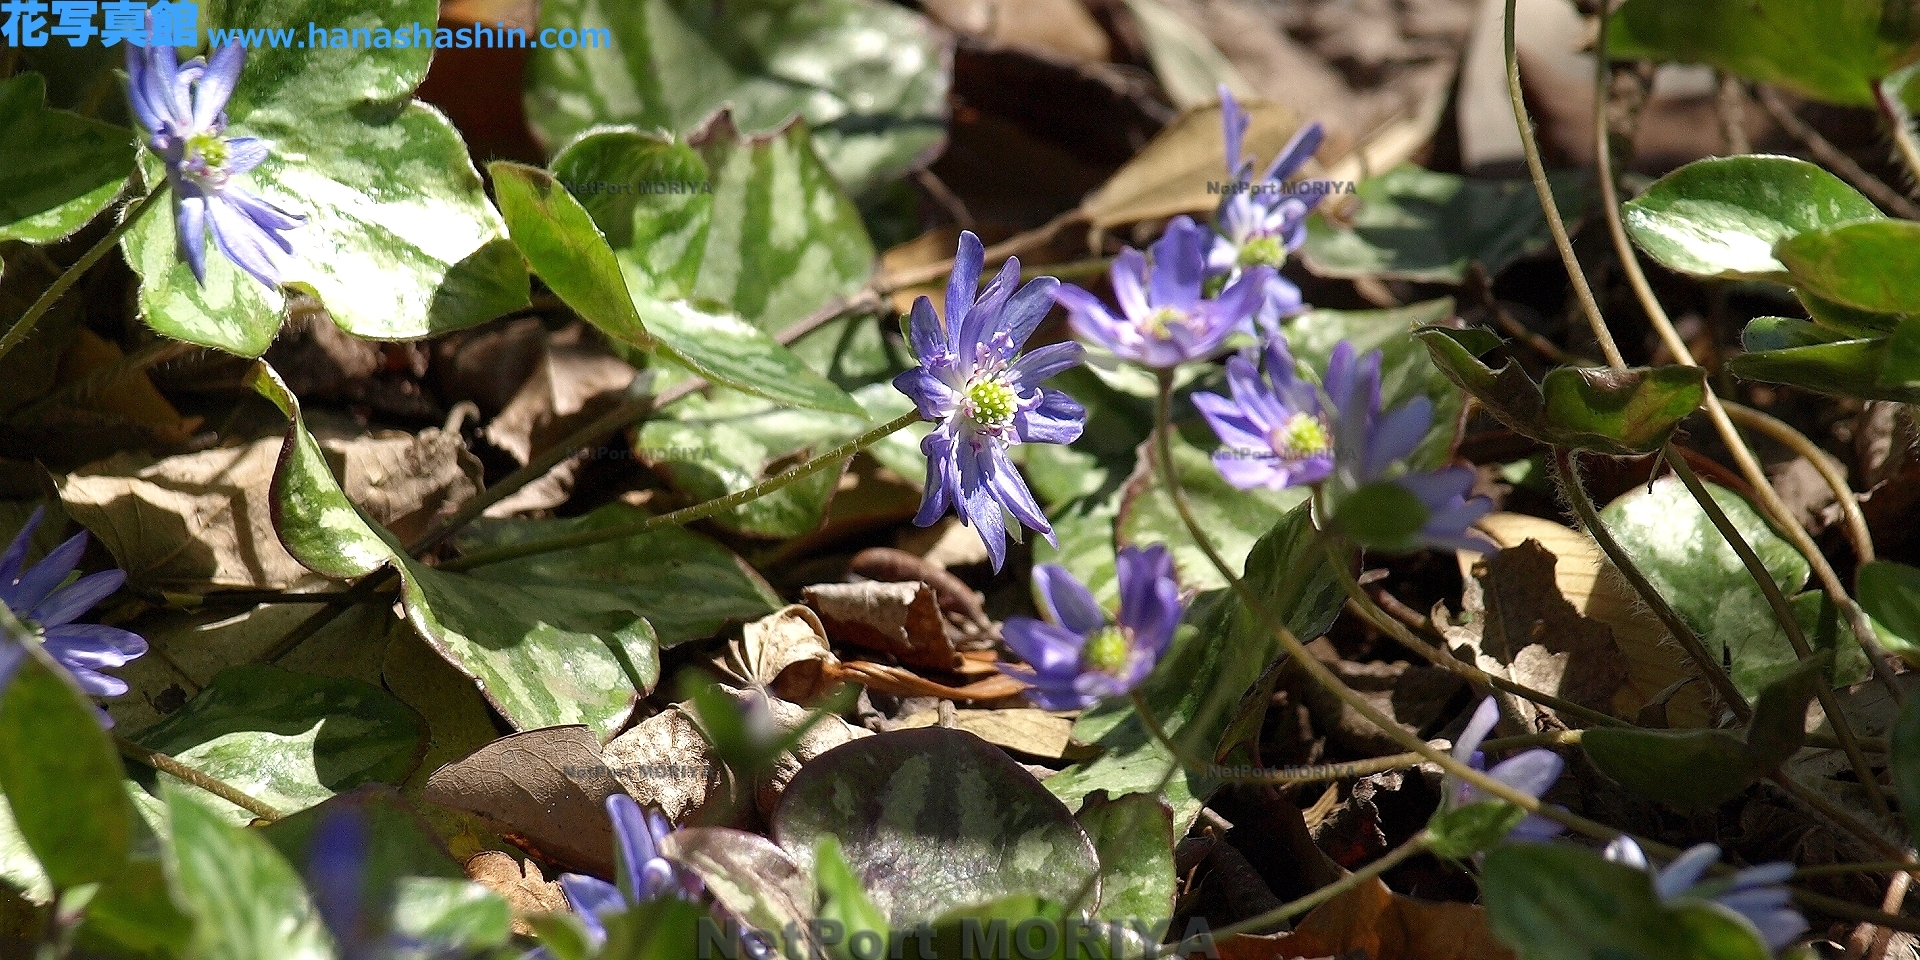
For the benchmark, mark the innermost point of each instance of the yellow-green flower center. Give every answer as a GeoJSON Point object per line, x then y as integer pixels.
{"type": "Point", "coordinates": [991, 403]}
{"type": "Point", "coordinates": [1159, 320]}
{"type": "Point", "coordinates": [212, 150]}
{"type": "Point", "coordinates": [1262, 252]}
{"type": "Point", "coordinates": [1106, 651]}
{"type": "Point", "coordinates": [1303, 435]}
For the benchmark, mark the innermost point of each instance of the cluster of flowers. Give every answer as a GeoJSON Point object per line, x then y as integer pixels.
{"type": "Point", "coordinates": [1178, 303]}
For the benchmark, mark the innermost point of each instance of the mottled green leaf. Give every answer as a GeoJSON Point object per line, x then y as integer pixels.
{"type": "Point", "coordinates": [385, 184]}
{"type": "Point", "coordinates": [247, 902]}
{"type": "Point", "coordinates": [1560, 902]}
{"type": "Point", "coordinates": [685, 584]}
{"type": "Point", "coordinates": [543, 654]}
{"type": "Point", "coordinates": [932, 820]}
{"type": "Point", "coordinates": [57, 169]}
{"type": "Point", "coordinates": [869, 77]}
{"type": "Point", "coordinates": [1682, 554]}
{"type": "Point", "coordinates": [1416, 224]}
{"type": "Point", "coordinates": [1134, 838]}
{"type": "Point", "coordinates": [770, 236]}
{"type": "Point", "coordinates": [1868, 265]}
{"type": "Point", "coordinates": [1722, 216]}
{"type": "Point", "coordinates": [62, 777]}
{"type": "Point", "coordinates": [289, 739]}
{"type": "Point", "coordinates": [1831, 50]}
{"type": "Point", "coordinates": [566, 249]}
{"type": "Point", "coordinates": [1234, 519]}
{"type": "Point", "coordinates": [1461, 832]}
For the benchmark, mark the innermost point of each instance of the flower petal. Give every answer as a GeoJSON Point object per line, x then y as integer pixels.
{"type": "Point", "coordinates": [1686, 870]}
{"type": "Point", "coordinates": [592, 898]}
{"type": "Point", "coordinates": [1179, 264]}
{"type": "Point", "coordinates": [942, 477]}
{"type": "Point", "coordinates": [69, 602]}
{"type": "Point", "coordinates": [1058, 418]}
{"type": "Point", "coordinates": [40, 580]}
{"type": "Point", "coordinates": [216, 84]}
{"type": "Point", "coordinates": [16, 554]}
{"type": "Point", "coordinates": [250, 246]}
{"type": "Point", "coordinates": [1485, 717]}
{"type": "Point", "coordinates": [1036, 367]}
{"type": "Point", "coordinates": [963, 283]}
{"type": "Point", "coordinates": [190, 227]}
{"type": "Point", "coordinates": [928, 338]}
{"type": "Point", "coordinates": [1296, 153]}
{"type": "Point", "coordinates": [1066, 601]}
{"type": "Point", "coordinates": [1050, 650]}
{"type": "Point", "coordinates": [1025, 310]}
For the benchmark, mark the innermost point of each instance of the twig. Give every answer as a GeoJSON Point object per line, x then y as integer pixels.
{"type": "Point", "coordinates": [1833, 157]}
{"type": "Point", "coordinates": [180, 771]}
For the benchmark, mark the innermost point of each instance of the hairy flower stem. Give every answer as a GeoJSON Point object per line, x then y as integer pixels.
{"type": "Point", "coordinates": [1750, 468]}
{"type": "Point", "coordinates": [1690, 643]}
{"type": "Point", "coordinates": [24, 326]}
{"type": "Point", "coordinates": [180, 771]}
{"type": "Point", "coordinates": [1898, 128]}
{"type": "Point", "coordinates": [700, 511]}
{"type": "Point", "coordinates": [1416, 844]}
{"type": "Point", "coordinates": [1782, 612]}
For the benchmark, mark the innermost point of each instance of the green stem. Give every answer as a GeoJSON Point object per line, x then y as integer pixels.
{"type": "Point", "coordinates": [700, 511]}
{"type": "Point", "coordinates": [1783, 612]}
{"type": "Point", "coordinates": [180, 771]}
{"type": "Point", "coordinates": [24, 326]}
{"type": "Point", "coordinates": [1696, 651]}
{"type": "Point", "coordinates": [1416, 844]}
{"type": "Point", "coordinates": [1578, 277]}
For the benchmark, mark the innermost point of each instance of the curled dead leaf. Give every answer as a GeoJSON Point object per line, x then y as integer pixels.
{"type": "Point", "coordinates": [905, 683]}
{"type": "Point", "coordinates": [544, 789]}
{"type": "Point", "coordinates": [787, 652]}
{"type": "Point", "coordinates": [901, 619]}
{"type": "Point", "coordinates": [1035, 733]}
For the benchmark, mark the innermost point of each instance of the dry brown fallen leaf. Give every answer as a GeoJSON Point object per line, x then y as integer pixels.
{"type": "Point", "coordinates": [1597, 590]}
{"type": "Point", "coordinates": [130, 396]}
{"type": "Point", "coordinates": [1060, 27]}
{"type": "Point", "coordinates": [1521, 626]}
{"type": "Point", "coordinates": [901, 619]}
{"type": "Point", "coordinates": [204, 520]}
{"type": "Point", "coordinates": [905, 683]}
{"type": "Point", "coordinates": [786, 652]}
{"type": "Point", "coordinates": [525, 890]}
{"type": "Point", "coordinates": [1375, 922]}
{"type": "Point", "coordinates": [1025, 730]}
{"type": "Point", "coordinates": [544, 789]}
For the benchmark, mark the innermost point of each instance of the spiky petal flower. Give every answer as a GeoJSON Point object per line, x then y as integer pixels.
{"type": "Point", "coordinates": [1531, 772]}
{"type": "Point", "coordinates": [986, 396]}
{"type": "Point", "coordinates": [1165, 321]}
{"type": "Point", "coordinates": [1260, 221]}
{"type": "Point", "coordinates": [1274, 433]}
{"type": "Point", "coordinates": [1756, 893]}
{"type": "Point", "coordinates": [36, 596]}
{"type": "Point", "coordinates": [644, 874]}
{"type": "Point", "coordinates": [1080, 658]}
{"type": "Point", "coordinates": [1371, 446]}
{"type": "Point", "coordinates": [183, 107]}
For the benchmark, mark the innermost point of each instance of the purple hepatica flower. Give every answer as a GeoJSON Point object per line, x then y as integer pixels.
{"type": "Point", "coordinates": [1369, 444]}
{"type": "Point", "coordinates": [1260, 221]}
{"type": "Point", "coordinates": [183, 107]}
{"type": "Point", "coordinates": [1273, 433]}
{"type": "Point", "coordinates": [36, 596]}
{"type": "Point", "coordinates": [986, 396]}
{"type": "Point", "coordinates": [644, 874]}
{"type": "Point", "coordinates": [1166, 322]}
{"type": "Point", "coordinates": [1079, 658]}
{"type": "Point", "coordinates": [1531, 772]}
{"type": "Point", "coordinates": [1756, 893]}
{"type": "Point", "coordinates": [336, 874]}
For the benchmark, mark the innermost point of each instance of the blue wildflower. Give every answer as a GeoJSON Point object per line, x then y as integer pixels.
{"type": "Point", "coordinates": [1531, 772]}
{"type": "Point", "coordinates": [1274, 433]}
{"type": "Point", "coordinates": [986, 396]}
{"type": "Point", "coordinates": [183, 107]}
{"type": "Point", "coordinates": [1080, 658]}
{"type": "Point", "coordinates": [1756, 893]}
{"type": "Point", "coordinates": [1371, 445]}
{"type": "Point", "coordinates": [1260, 221]}
{"type": "Point", "coordinates": [1166, 321]}
{"type": "Point", "coordinates": [36, 596]}
{"type": "Point", "coordinates": [336, 876]}
{"type": "Point", "coordinates": [644, 874]}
